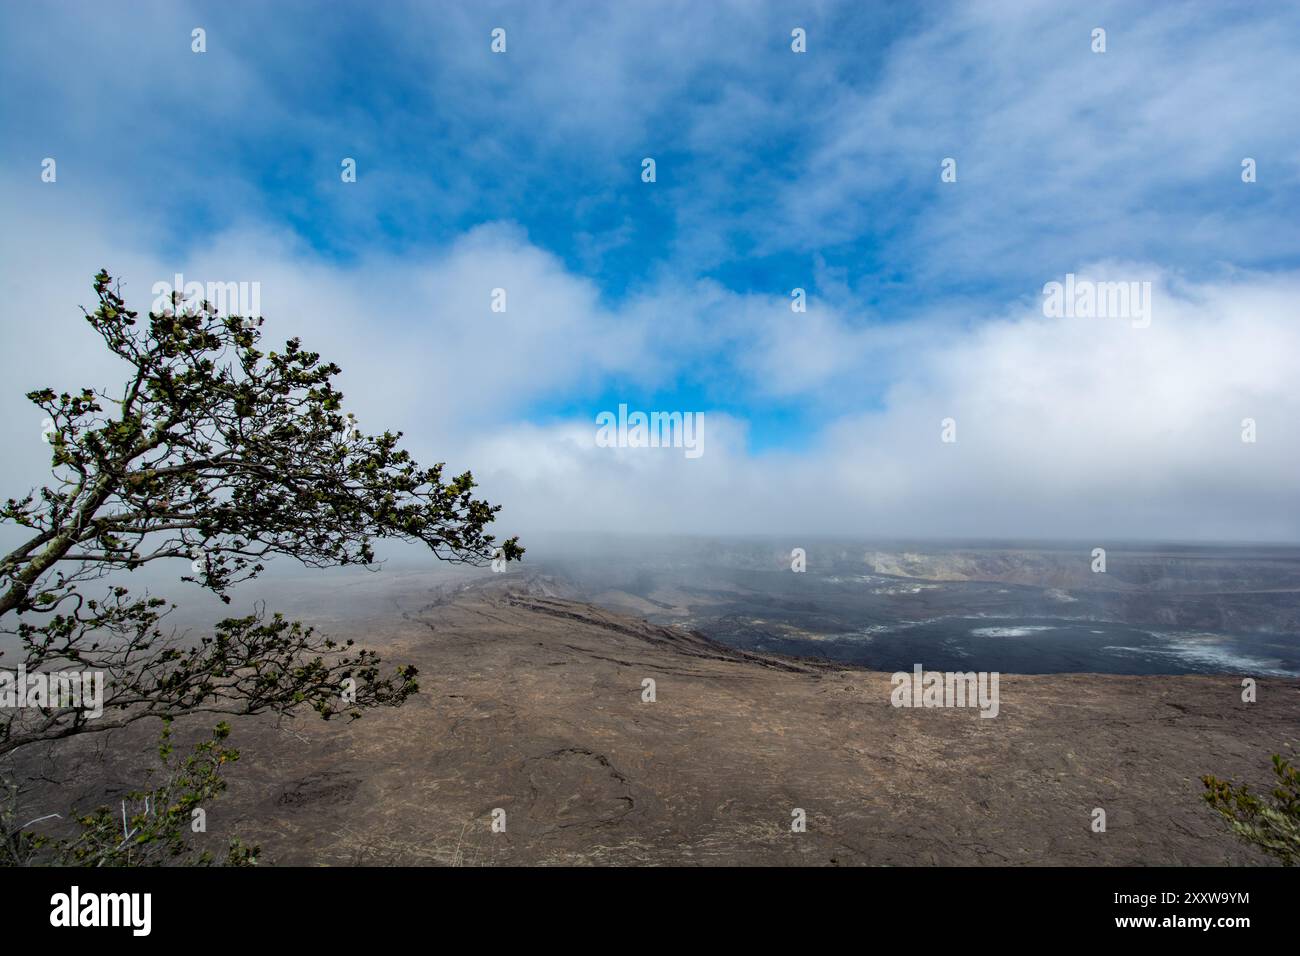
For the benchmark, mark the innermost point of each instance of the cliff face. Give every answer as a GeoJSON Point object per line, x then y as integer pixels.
{"type": "Point", "coordinates": [533, 704]}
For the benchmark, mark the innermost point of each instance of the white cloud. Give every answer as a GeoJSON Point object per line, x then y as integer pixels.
{"type": "Point", "coordinates": [1061, 152]}
{"type": "Point", "coordinates": [1082, 428]}
{"type": "Point", "coordinates": [1079, 427]}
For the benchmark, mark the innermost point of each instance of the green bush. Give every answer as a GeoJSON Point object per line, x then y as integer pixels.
{"type": "Point", "coordinates": [155, 831]}
{"type": "Point", "coordinates": [1273, 827]}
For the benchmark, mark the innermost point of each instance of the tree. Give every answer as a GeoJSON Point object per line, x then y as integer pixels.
{"type": "Point", "coordinates": [223, 456]}
{"type": "Point", "coordinates": [1275, 827]}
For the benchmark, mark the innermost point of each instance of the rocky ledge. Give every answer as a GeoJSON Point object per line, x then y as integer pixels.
{"type": "Point", "coordinates": [534, 705]}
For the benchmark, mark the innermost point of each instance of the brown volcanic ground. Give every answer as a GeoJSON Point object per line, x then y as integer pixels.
{"type": "Point", "coordinates": [532, 703]}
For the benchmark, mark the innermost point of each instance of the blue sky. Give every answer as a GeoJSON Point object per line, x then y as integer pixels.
{"type": "Point", "coordinates": [775, 170]}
